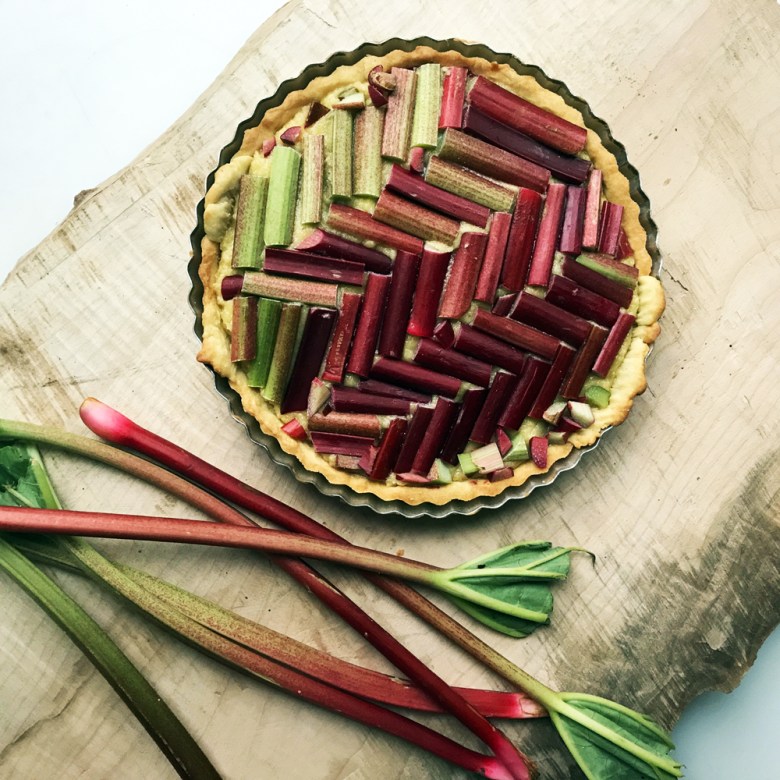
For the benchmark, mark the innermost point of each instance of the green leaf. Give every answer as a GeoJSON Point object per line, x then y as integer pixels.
{"type": "Point", "coordinates": [18, 485]}
{"type": "Point", "coordinates": [612, 742]}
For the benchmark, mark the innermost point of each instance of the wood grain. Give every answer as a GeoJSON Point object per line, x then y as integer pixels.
{"type": "Point", "coordinates": [680, 504]}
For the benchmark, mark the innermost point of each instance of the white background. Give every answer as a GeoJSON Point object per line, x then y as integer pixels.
{"type": "Point", "coordinates": [86, 85]}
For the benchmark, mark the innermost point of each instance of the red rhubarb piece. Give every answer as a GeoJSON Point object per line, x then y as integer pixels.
{"type": "Point", "coordinates": [320, 242]}
{"type": "Point", "coordinates": [573, 215]}
{"type": "Point", "coordinates": [500, 474]}
{"type": "Point", "coordinates": [614, 342]}
{"type": "Point", "coordinates": [490, 273]}
{"type": "Point", "coordinates": [415, 433]}
{"type": "Point", "coordinates": [537, 447]}
{"type": "Point", "coordinates": [590, 222]}
{"type": "Point", "coordinates": [315, 113]}
{"type": "Point", "coordinates": [415, 377]}
{"type": "Point", "coordinates": [355, 423]}
{"type": "Point", "coordinates": [444, 334]}
{"type": "Point", "coordinates": [399, 304]}
{"type": "Point", "coordinates": [622, 273]}
{"type": "Point", "coordinates": [542, 314]}
{"type": "Point", "coordinates": [459, 288]}
{"type": "Point", "coordinates": [522, 235]}
{"type": "Point", "coordinates": [448, 361]}
{"type": "Point", "coordinates": [583, 362]}
{"type": "Point", "coordinates": [597, 283]}
{"type": "Point", "coordinates": [369, 322]}
{"type": "Point", "coordinates": [336, 359]}
{"type": "Point", "coordinates": [553, 381]}
{"type": "Point", "coordinates": [624, 249]}
{"type": "Point", "coordinates": [547, 236]}
{"type": "Point", "coordinates": [480, 345]}
{"type": "Point", "coordinates": [609, 227]}
{"type": "Point", "coordinates": [565, 293]}
{"type": "Point", "coordinates": [377, 97]}
{"type": "Point", "coordinates": [512, 110]}
{"type": "Point", "coordinates": [452, 97]}
{"type": "Point", "coordinates": [294, 429]}
{"type": "Point", "coordinates": [376, 387]}
{"type": "Point", "coordinates": [340, 443]}
{"type": "Point", "coordinates": [441, 421]}
{"type": "Point", "coordinates": [268, 146]}
{"type": "Point", "coordinates": [231, 286]}
{"type": "Point", "coordinates": [467, 415]}
{"type": "Point", "coordinates": [524, 394]}
{"type": "Point", "coordinates": [430, 281]}
{"type": "Point", "coordinates": [503, 442]}
{"type": "Point", "coordinates": [291, 135]}
{"type": "Point", "coordinates": [517, 333]}
{"type": "Point", "coordinates": [351, 399]}
{"type": "Point", "coordinates": [359, 223]}
{"type": "Point", "coordinates": [415, 220]}
{"type": "Point", "coordinates": [291, 262]}
{"type": "Point", "coordinates": [503, 304]}
{"type": "Point", "coordinates": [499, 393]}
{"type": "Point", "coordinates": [389, 449]}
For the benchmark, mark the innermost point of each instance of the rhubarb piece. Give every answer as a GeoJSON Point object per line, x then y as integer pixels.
{"type": "Point", "coordinates": [517, 333]}
{"type": "Point", "coordinates": [441, 421]}
{"type": "Point", "coordinates": [581, 413]}
{"type": "Point", "coordinates": [294, 429]}
{"type": "Point", "coordinates": [285, 289]}
{"type": "Point", "coordinates": [618, 272]}
{"type": "Point", "coordinates": [415, 433]}
{"type": "Point", "coordinates": [377, 97]}
{"type": "Point", "coordinates": [554, 411]}
{"type": "Point", "coordinates": [311, 351]}
{"type": "Point", "coordinates": [315, 113]}
{"type": "Point", "coordinates": [624, 249]}
{"type": "Point", "coordinates": [609, 227]}
{"type": "Point", "coordinates": [467, 465]}
{"type": "Point", "coordinates": [427, 105]}
{"type": "Point", "coordinates": [282, 194]}
{"type": "Point", "coordinates": [597, 283]}
{"type": "Point", "coordinates": [547, 236]}
{"type": "Point", "coordinates": [230, 286]}
{"type": "Point", "coordinates": [430, 282]}
{"type": "Point", "coordinates": [376, 387]}
{"type": "Point", "coordinates": [523, 396]}
{"type": "Point", "coordinates": [336, 358]}
{"type": "Point", "coordinates": [347, 422]}
{"type": "Point", "coordinates": [418, 190]}
{"type": "Point", "coordinates": [284, 352]}
{"type": "Point", "coordinates": [413, 478]}
{"type": "Point", "coordinates": [617, 335]}
{"type": "Point", "coordinates": [389, 449]}
{"type": "Point", "coordinates": [291, 135]}
{"type": "Point", "coordinates": [444, 334]}
{"type": "Point", "coordinates": [461, 431]}
{"type": "Point", "coordinates": [340, 443]}
{"type": "Point", "coordinates": [399, 304]}
{"type": "Point", "coordinates": [459, 288]}
{"type": "Point", "coordinates": [469, 185]}
{"type": "Point", "coordinates": [499, 393]}
{"type": "Point", "coordinates": [568, 425]}
{"type": "Point", "coordinates": [358, 223]}
{"type": "Point", "coordinates": [350, 399]}
{"type": "Point", "coordinates": [522, 235]}
{"type": "Point", "coordinates": [415, 377]}
{"type": "Point", "coordinates": [243, 333]}
{"type": "Point", "coordinates": [311, 178]}
{"type": "Point", "coordinates": [319, 395]}
{"type": "Point", "coordinates": [453, 95]}
{"type": "Point", "coordinates": [340, 156]}
{"type": "Point", "coordinates": [581, 301]}
{"type": "Point", "coordinates": [503, 304]}
{"type": "Point", "coordinates": [537, 447]}
{"type": "Point", "coordinates": [471, 152]}
{"type": "Point", "coordinates": [415, 220]}
{"type": "Point", "coordinates": [417, 159]}
{"type": "Point", "coordinates": [518, 450]}
{"type": "Point", "coordinates": [514, 111]}
{"type": "Point", "coordinates": [597, 396]}
{"type": "Point", "coordinates": [573, 215]}
{"type": "Point", "coordinates": [291, 262]}
{"type": "Point", "coordinates": [500, 474]}
{"type": "Point", "coordinates": [398, 119]}
{"type": "Point", "coordinates": [490, 273]}
{"type": "Point", "coordinates": [583, 362]}
{"type": "Point", "coordinates": [557, 437]}
{"type": "Point", "coordinates": [369, 322]}
{"type": "Point", "coordinates": [548, 318]}
{"type": "Point", "coordinates": [569, 169]}
{"type": "Point", "coordinates": [351, 101]}
{"type": "Point", "coordinates": [496, 352]}
{"type": "Point", "coordinates": [367, 153]}
{"type": "Point", "coordinates": [352, 462]}
{"type": "Point", "coordinates": [553, 381]}
{"type": "Point", "coordinates": [320, 242]}
{"type": "Point", "coordinates": [379, 87]}
{"type": "Point", "coordinates": [268, 313]}
{"type": "Point", "coordinates": [590, 222]}
{"type": "Point", "coordinates": [268, 146]}
{"type": "Point", "coordinates": [503, 442]}
{"type": "Point", "coordinates": [448, 361]}
{"type": "Point", "coordinates": [440, 473]}
{"type": "Point", "coordinates": [250, 217]}
{"type": "Point", "coordinates": [487, 459]}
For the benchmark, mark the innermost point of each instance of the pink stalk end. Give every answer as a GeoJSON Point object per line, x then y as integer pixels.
{"type": "Point", "coordinates": [268, 146]}
{"type": "Point", "coordinates": [291, 135]}
{"type": "Point", "coordinates": [520, 402]}
{"type": "Point", "coordinates": [452, 98]}
{"type": "Point", "coordinates": [459, 289]}
{"type": "Point", "coordinates": [522, 235]}
{"type": "Point", "coordinates": [361, 224]}
{"type": "Point", "coordinates": [503, 304]}
{"type": "Point", "coordinates": [614, 342]}
{"type": "Point", "coordinates": [315, 113]}
{"type": "Point", "coordinates": [501, 474]}
{"type": "Point", "coordinates": [609, 227]}
{"type": "Point", "coordinates": [369, 322]}
{"type": "Point", "coordinates": [547, 238]}
{"type": "Point", "coordinates": [417, 159]}
{"type": "Point", "coordinates": [433, 270]}
{"type": "Point", "coordinates": [503, 442]}
{"type": "Point", "coordinates": [415, 377]}
{"type": "Point", "coordinates": [497, 397]}
{"type": "Point", "coordinates": [490, 273]}
{"type": "Point", "coordinates": [444, 334]}
{"type": "Point", "coordinates": [573, 215]}
{"type": "Point", "coordinates": [624, 248]}
{"type": "Point", "coordinates": [336, 359]}
{"type": "Point", "coordinates": [399, 304]}
{"type": "Point", "coordinates": [294, 429]}
{"type": "Point", "coordinates": [443, 416]}
{"type": "Point", "coordinates": [590, 220]}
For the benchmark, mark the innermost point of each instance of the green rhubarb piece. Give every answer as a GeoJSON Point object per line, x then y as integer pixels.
{"type": "Point", "coordinates": [312, 179]}
{"type": "Point", "coordinates": [519, 449]}
{"type": "Point", "coordinates": [290, 289]}
{"type": "Point", "coordinates": [268, 313]}
{"type": "Point", "coordinates": [250, 213]}
{"type": "Point", "coordinates": [427, 106]}
{"type": "Point", "coordinates": [597, 396]}
{"type": "Point", "coordinates": [282, 195]}
{"type": "Point", "coordinates": [530, 428]}
{"type": "Point", "coordinates": [441, 473]}
{"type": "Point", "coordinates": [284, 352]}
{"type": "Point", "coordinates": [367, 154]}
{"type": "Point", "coordinates": [341, 155]}
{"type": "Point", "coordinates": [469, 185]}
{"type": "Point", "coordinates": [467, 465]}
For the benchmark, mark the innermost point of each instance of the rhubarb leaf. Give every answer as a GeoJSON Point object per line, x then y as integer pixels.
{"type": "Point", "coordinates": [18, 486]}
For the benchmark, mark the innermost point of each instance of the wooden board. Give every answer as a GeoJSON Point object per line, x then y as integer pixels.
{"type": "Point", "coordinates": [680, 504]}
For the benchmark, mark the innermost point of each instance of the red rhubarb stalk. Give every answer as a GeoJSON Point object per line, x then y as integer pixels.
{"type": "Point", "coordinates": [490, 273]}
{"type": "Point", "coordinates": [459, 288]}
{"type": "Point", "coordinates": [565, 293]}
{"type": "Point", "coordinates": [583, 362]}
{"type": "Point", "coordinates": [340, 443]}
{"type": "Point", "coordinates": [430, 281]}
{"type": "Point", "coordinates": [415, 433]}
{"type": "Point", "coordinates": [590, 224]}
{"type": "Point", "coordinates": [415, 377]}
{"type": "Point", "coordinates": [347, 422]}
{"type": "Point", "coordinates": [375, 387]}
{"type": "Point", "coordinates": [622, 273]}
{"type": "Point", "coordinates": [523, 396]}
{"type": "Point", "coordinates": [547, 237]}
{"type": "Point", "coordinates": [352, 399]}
{"type": "Point", "coordinates": [495, 403]}
{"type": "Point", "coordinates": [522, 235]}
{"type": "Point", "coordinates": [291, 262]}
{"type": "Point", "coordinates": [496, 352]}
{"type": "Point", "coordinates": [553, 381]}
{"type": "Point", "coordinates": [617, 335]}
{"type": "Point", "coordinates": [336, 359]}
{"type": "Point", "coordinates": [609, 227]}
{"type": "Point", "coordinates": [444, 334]}
{"type": "Point", "coordinates": [512, 110]}
{"type": "Point", "coordinates": [461, 181]}
{"type": "Point", "coordinates": [516, 333]}
{"type": "Point", "coordinates": [369, 322]}
{"type": "Point", "coordinates": [443, 417]}
{"type": "Point", "coordinates": [399, 304]}
{"type": "Point", "coordinates": [294, 429]}
{"type": "Point", "coordinates": [400, 111]}
{"type": "Point", "coordinates": [461, 431]}
{"type": "Point", "coordinates": [360, 224]}
{"type": "Point", "coordinates": [243, 334]}
{"type": "Point", "coordinates": [448, 361]}
{"type": "Point", "coordinates": [230, 286]}
{"type": "Point", "coordinates": [389, 449]}
{"type": "Point", "coordinates": [320, 242]}
{"type": "Point", "coordinates": [597, 283]}
{"type": "Point", "coordinates": [573, 215]}
{"type": "Point", "coordinates": [624, 248]}
{"type": "Point", "coordinates": [546, 317]}
{"type": "Point", "coordinates": [415, 220]}
{"type": "Point", "coordinates": [503, 304]}
{"type": "Point", "coordinates": [453, 95]}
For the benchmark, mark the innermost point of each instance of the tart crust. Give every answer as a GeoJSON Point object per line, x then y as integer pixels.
{"type": "Point", "coordinates": [626, 379]}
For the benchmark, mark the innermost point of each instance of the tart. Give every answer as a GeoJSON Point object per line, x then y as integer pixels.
{"type": "Point", "coordinates": [426, 278]}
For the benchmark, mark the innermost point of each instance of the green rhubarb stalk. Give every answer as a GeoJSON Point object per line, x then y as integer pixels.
{"type": "Point", "coordinates": [312, 179]}
{"type": "Point", "coordinates": [341, 155]}
{"type": "Point", "coordinates": [284, 352]}
{"type": "Point", "coordinates": [469, 185]}
{"type": "Point", "coordinates": [398, 116]}
{"type": "Point", "coordinates": [290, 289]}
{"type": "Point", "coordinates": [250, 218]}
{"type": "Point", "coordinates": [367, 157]}
{"type": "Point", "coordinates": [268, 313]}
{"type": "Point", "coordinates": [427, 105]}
{"type": "Point", "coordinates": [282, 195]}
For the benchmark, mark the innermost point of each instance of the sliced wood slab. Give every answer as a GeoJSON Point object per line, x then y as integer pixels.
{"type": "Point", "coordinates": [680, 504]}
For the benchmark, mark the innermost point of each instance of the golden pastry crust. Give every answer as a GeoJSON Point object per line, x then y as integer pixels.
{"type": "Point", "coordinates": [626, 379]}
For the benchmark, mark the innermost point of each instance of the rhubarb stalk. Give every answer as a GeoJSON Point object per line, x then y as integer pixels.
{"type": "Point", "coordinates": [313, 164]}
{"type": "Point", "coordinates": [282, 195]}
{"type": "Point", "coordinates": [268, 313]}
{"type": "Point", "coordinates": [522, 235]}
{"type": "Point", "coordinates": [367, 153]}
{"type": "Point", "coordinates": [466, 264]}
{"type": "Point", "coordinates": [427, 105]}
{"type": "Point", "coordinates": [336, 359]}
{"type": "Point", "coordinates": [453, 95]}
{"type": "Point", "coordinates": [547, 237]}
{"type": "Point", "coordinates": [430, 282]}
{"type": "Point", "coordinates": [399, 304]}
{"type": "Point", "coordinates": [415, 220]}
{"type": "Point", "coordinates": [398, 119]}
{"type": "Point", "coordinates": [284, 352]}
{"type": "Point", "coordinates": [321, 242]}
{"type": "Point", "coordinates": [469, 185]}
{"type": "Point", "coordinates": [370, 321]}
{"type": "Point", "coordinates": [359, 223]}
{"type": "Point", "coordinates": [490, 273]}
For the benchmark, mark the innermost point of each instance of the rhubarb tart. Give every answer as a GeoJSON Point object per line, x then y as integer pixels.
{"type": "Point", "coordinates": [427, 278]}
